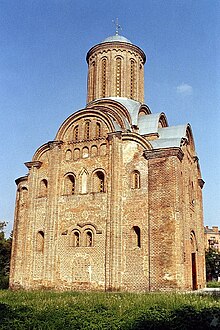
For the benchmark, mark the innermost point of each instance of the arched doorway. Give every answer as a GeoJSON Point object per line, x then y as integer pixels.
{"type": "Point", "coordinates": [193, 260]}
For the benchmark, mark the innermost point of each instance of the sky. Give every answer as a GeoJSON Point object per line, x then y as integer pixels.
{"type": "Point", "coordinates": [43, 75]}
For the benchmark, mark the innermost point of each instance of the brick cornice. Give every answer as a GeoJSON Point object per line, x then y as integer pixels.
{"type": "Point", "coordinates": [36, 164]}
{"type": "Point", "coordinates": [166, 152]}
{"type": "Point", "coordinates": [21, 179]}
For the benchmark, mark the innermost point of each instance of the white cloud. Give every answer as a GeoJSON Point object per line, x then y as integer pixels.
{"type": "Point", "coordinates": [184, 89]}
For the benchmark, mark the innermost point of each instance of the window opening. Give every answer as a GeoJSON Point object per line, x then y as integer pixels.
{"type": "Point", "coordinates": [87, 130]}
{"type": "Point", "coordinates": [132, 77]}
{"type": "Point", "coordinates": [89, 239]}
{"type": "Point", "coordinates": [98, 130]}
{"type": "Point", "coordinates": [136, 180]}
{"type": "Point", "coordinates": [137, 232]}
{"type": "Point", "coordinates": [104, 77]}
{"type": "Point", "coordinates": [40, 241]}
{"type": "Point", "coordinates": [76, 133]}
{"type": "Point", "coordinates": [76, 238]}
{"type": "Point", "coordinates": [70, 185]}
{"type": "Point", "coordinates": [118, 77]}
{"type": "Point", "coordinates": [99, 182]}
{"type": "Point", "coordinates": [43, 188]}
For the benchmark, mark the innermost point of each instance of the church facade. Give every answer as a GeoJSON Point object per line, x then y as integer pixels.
{"type": "Point", "coordinates": [114, 202]}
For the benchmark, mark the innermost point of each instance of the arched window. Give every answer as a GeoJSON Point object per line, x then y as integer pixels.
{"type": "Point", "coordinates": [98, 130]}
{"type": "Point", "coordinates": [99, 182]}
{"type": "Point", "coordinates": [68, 155]}
{"type": "Point", "coordinates": [85, 152]}
{"type": "Point", "coordinates": [76, 154]}
{"type": "Point", "coordinates": [76, 133]}
{"type": "Point", "coordinates": [23, 194]}
{"type": "Point", "coordinates": [94, 151]}
{"type": "Point", "coordinates": [104, 77]}
{"type": "Point", "coordinates": [40, 241]}
{"type": "Point", "coordinates": [89, 238]}
{"type": "Point", "coordinates": [118, 76]}
{"type": "Point", "coordinates": [75, 238]}
{"type": "Point", "coordinates": [87, 130]}
{"type": "Point", "coordinates": [70, 184]}
{"type": "Point", "coordinates": [103, 149]}
{"type": "Point", "coordinates": [135, 180]}
{"type": "Point", "coordinates": [137, 236]}
{"type": "Point", "coordinates": [43, 188]}
{"type": "Point", "coordinates": [132, 78]}
{"type": "Point", "coordinates": [92, 80]}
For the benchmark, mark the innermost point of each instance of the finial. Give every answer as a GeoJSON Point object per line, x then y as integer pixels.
{"type": "Point", "coordinates": [117, 26]}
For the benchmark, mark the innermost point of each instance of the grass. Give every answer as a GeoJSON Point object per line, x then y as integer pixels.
{"type": "Point", "coordinates": [128, 311]}
{"type": "Point", "coordinates": [213, 284]}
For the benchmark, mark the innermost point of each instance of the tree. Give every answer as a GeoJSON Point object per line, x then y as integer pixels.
{"type": "Point", "coordinates": [5, 254]}
{"type": "Point", "coordinates": [212, 258]}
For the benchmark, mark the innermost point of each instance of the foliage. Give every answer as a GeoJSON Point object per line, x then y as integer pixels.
{"type": "Point", "coordinates": [5, 253]}
{"type": "Point", "coordinates": [213, 284]}
{"type": "Point", "coordinates": [212, 258]}
{"type": "Point", "coordinates": [125, 311]}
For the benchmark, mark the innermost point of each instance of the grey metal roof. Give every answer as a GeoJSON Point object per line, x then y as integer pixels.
{"type": "Point", "coordinates": [131, 105]}
{"type": "Point", "coordinates": [172, 132]}
{"type": "Point", "coordinates": [170, 136]}
{"type": "Point", "coordinates": [148, 123]}
{"type": "Point", "coordinates": [116, 38]}
{"type": "Point", "coordinates": [166, 143]}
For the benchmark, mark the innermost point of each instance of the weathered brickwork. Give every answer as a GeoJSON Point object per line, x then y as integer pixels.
{"type": "Point", "coordinates": [115, 201]}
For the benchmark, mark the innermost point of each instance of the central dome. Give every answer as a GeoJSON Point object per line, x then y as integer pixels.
{"type": "Point", "coordinates": [116, 38]}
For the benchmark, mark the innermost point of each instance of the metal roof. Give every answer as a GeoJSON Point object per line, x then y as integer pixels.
{"type": "Point", "coordinates": [116, 38]}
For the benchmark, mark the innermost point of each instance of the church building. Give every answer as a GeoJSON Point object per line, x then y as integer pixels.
{"type": "Point", "coordinates": [114, 202]}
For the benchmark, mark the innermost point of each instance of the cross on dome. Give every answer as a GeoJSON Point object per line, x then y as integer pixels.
{"type": "Point", "coordinates": [117, 26]}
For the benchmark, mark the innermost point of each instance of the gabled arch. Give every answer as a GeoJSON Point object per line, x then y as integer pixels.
{"type": "Point", "coordinates": [84, 177]}
{"type": "Point", "coordinates": [111, 106]}
{"type": "Point", "coordinates": [84, 115]}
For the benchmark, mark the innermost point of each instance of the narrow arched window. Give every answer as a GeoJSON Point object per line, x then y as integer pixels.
{"type": "Point", "coordinates": [98, 130]}
{"type": "Point", "coordinates": [43, 188]}
{"type": "Point", "coordinates": [76, 133]}
{"type": "Point", "coordinates": [135, 180]}
{"type": "Point", "coordinates": [75, 238]}
{"type": "Point", "coordinates": [137, 236]}
{"type": "Point", "coordinates": [132, 78]}
{"type": "Point", "coordinates": [85, 152]}
{"type": "Point", "coordinates": [40, 241]}
{"type": "Point", "coordinates": [99, 182]}
{"type": "Point", "coordinates": [87, 130]}
{"type": "Point", "coordinates": [68, 155]}
{"type": "Point", "coordinates": [92, 80]}
{"type": "Point", "coordinates": [118, 76]}
{"type": "Point", "coordinates": [23, 195]}
{"type": "Point", "coordinates": [70, 184]}
{"type": "Point", "coordinates": [103, 77]}
{"type": "Point", "coordinates": [89, 238]}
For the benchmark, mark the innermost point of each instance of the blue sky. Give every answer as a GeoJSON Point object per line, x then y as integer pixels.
{"type": "Point", "coordinates": [43, 75]}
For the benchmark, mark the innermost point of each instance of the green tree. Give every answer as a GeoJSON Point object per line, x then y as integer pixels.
{"type": "Point", "coordinates": [212, 258]}
{"type": "Point", "coordinates": [5, 254]}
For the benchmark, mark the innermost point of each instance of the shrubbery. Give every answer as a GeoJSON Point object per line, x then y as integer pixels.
{"type": "Point", "coordinates": [5, 253]}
